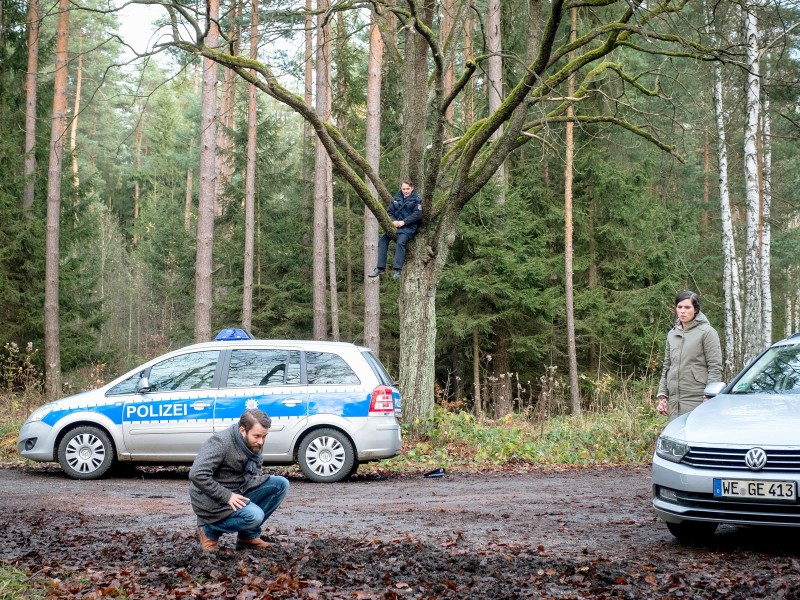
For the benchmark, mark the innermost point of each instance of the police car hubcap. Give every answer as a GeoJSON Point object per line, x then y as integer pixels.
{"type": "Point", "coordinates": [325, 455]}
{"type": "Point", "coordinates": [85, 453]}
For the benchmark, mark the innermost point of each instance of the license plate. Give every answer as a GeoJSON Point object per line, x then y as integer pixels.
{"type": "Point", "coordinates": [748, 489]}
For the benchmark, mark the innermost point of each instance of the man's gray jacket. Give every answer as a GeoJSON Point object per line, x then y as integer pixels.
{"type": "Point", "coordinates": [218, 472]}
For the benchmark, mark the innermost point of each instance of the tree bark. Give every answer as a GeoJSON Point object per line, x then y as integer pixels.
{"type": "Point", "coordinates": [569, 292]}
{"type": "Point", "coordinates": [58, 129]}
{"type": "Point", "coordinates": [323, 167]}
{"type": "Point", "coordinates": [766, 208]}
{"type": "Point", "coordinates": [476, 373]}
{"type": "Point", "coordinates": [415, 97]}
{"type": "Point", "coordinates": [207, 197]}
{"type": "Point", "coordinates": [501, 367]}
{"type": "Point", "coordinates": [187, 208]}
{"type": "Point", "coordinates": [250, 182]}
{"type": "Point", "coordinates": [753, 325]}
{"type": "Point", "coordinates": [372, 304]}
{"type": "Point", "coordinates": [73, 131]}
{"type": "Point", "coordinates": [30, 107]}
{"type": "Point", "coordinates": [494, 43]}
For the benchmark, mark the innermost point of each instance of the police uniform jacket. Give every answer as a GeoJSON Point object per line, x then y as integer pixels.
{"type": "Point", "coordinates": [406, 209]}
{"type": "Point", "coordinates": [693, 358]}
{"type": "Point", "coordinates": [218, 471]}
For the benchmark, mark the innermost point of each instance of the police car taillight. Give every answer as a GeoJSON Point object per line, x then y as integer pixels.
{"type": "Point", "coordinates": [381, 401]}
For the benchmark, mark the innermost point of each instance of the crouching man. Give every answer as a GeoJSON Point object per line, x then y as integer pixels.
{"type": "Point", "coordinates": [229, 491]}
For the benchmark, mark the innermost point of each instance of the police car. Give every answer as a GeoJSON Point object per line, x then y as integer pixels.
{"type": "Point", "coordinates": [332, 405]}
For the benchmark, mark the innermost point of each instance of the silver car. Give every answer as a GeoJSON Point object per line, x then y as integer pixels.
{"type": "Point", "coordinates": [736, 458]}
{"type": "Point", "coordinates": [333, 406]}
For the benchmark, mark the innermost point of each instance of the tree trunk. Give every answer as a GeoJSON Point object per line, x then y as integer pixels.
{"type": "Point", "coordinates": [753, 326]}
{"type": "Point", "coordinates": [323, 167]}
{"type": "Point", "coordinates": [73, 131]}
{"type": "Point", "coordinates": [766, 207]}
{"type": "Point", "coordinates": [501, 367]}
{"type": "Point", "coordinates": [469, 54]}
{"type": "Point", "coordinates": [250, 182]}
{"type": "Point", "coordinates": [476, 373]}
{"type": "Point", "coordinates": [415, 96]}
{"type": "Point", "coordinates": [207, 197]}
{"type": "Point", "coordinates": [568, 253]}
{"type": "Point", "coordinates": [30, 107]}
{"type": "Point", "coordinates": [417, 311]}
{"type": "Point", "coordinates": [729, 271]}
{"type": "Point", "coordinates": [494, 84]}
{"type": "Point", "coordinates": [58, 129]}
{"type": "Point", "coordinates": [187, 208]}
{"type": "Point", "coordinates": [308, 92]}
{"type": "Point", "coordinates": [138, 138]}
{"type": "Point", "coordinates": [372, 147]}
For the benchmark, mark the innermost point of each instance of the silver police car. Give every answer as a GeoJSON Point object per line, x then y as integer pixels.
{"type": "Point", "coordinates": [332, 404]}
{"type": "Point", "coordinates": [736, 458]}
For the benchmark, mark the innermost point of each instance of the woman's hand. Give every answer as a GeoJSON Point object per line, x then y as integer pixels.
{"type": "Point", "coordinates": [663, 405]}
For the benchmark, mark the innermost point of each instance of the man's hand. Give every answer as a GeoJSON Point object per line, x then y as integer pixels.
{"type": "Point", "coordinates": [663, 405]}
{"type": "Point", "coordinates": [398, 224]}
{"type": "Point", "coordinates": [238, 501]}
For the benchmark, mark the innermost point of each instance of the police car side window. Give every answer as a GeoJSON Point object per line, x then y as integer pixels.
{"type": "Point", "coordinates": [193, 371]}
{"type": "Point", "coordinates": [263, 368]}
{"type": "Point", "coordinates": [324, 368]}
{"type": "Point", "coordinates": [127, 386]}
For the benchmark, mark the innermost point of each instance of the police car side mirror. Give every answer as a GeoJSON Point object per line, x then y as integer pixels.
{"type": "Point", "coordinates": [143, 385]}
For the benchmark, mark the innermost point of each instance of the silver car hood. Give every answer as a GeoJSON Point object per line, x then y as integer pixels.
{"type": "Point", "coordinates": [741, 420]}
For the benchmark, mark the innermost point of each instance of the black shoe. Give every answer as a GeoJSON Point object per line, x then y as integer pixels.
{"type": "Point", "coordinates": [376, 271]}
{"type": "Point", "coordinates": [396, 275]}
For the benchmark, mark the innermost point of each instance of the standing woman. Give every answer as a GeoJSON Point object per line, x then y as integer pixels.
{"type": "Point", "coordinates": [693, 358]}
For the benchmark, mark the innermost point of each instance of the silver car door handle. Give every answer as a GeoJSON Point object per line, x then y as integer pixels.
{"type": "Point", "coordinates": [291, 401]}
{"type": "Point", "coordinates": [200, 405]}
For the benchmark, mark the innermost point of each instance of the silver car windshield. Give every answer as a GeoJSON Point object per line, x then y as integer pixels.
{"type": "Point", "coordinates": [777, 371]}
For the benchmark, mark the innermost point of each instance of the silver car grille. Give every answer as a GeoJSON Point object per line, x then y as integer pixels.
{"type": "Point", "coordinates": [785, 461]}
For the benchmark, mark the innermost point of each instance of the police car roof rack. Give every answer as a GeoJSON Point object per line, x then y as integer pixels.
{"type": "Point", "coordinates": [233, 333]}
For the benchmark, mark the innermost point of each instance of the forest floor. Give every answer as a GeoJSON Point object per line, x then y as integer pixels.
{"type": "Point", "coordinates": [572, 533]}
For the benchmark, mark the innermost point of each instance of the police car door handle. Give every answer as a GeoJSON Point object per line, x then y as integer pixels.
{"type": "Point", "coordinates": [291, 401]}
{"type": "Point", "coordinates": [200, 405]}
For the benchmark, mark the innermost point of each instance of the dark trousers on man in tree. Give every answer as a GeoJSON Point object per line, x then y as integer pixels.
{"type": "Point", "coordinates": [399, 251]}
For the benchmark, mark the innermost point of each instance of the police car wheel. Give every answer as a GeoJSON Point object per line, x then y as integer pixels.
{"type": "Point", "coordinates": [326, 456]}
{"type": "Point", "coordinates": [86, 453]}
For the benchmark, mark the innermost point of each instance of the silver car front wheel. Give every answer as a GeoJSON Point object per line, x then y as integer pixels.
{"type": "Point", "coordinates": [86, 453]}
{"type": "Point", "coordinates": [326, 456]}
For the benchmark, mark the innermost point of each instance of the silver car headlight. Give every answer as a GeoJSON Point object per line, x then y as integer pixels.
{"type": "Point", "coordinates": [671, 449]}
{"type": "Point", "coordinates": [40, 413]}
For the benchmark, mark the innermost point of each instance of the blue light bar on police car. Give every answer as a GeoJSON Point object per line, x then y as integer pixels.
{"type": "Point", "coordinates": [227, 335]}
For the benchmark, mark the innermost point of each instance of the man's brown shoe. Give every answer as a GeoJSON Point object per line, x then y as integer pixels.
{"type": "Point", "coordinates": [252, 543]}
{"type": "Point", "coordinates": [206, 543]}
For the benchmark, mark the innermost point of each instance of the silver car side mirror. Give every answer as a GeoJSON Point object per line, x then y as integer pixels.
{"type": "Point", "coordinates": [143, 385]}
{"type": "Point", "coordinates": [714, 388]}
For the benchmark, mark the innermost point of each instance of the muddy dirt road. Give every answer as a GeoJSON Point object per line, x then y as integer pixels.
{"type": "Point", "coordinates": [556, 534]}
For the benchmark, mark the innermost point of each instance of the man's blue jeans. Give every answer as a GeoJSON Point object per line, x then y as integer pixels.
{"type": "Point", "coordinates": [247, 521]}
{"type": "Point", "coordinates": [399, 251]}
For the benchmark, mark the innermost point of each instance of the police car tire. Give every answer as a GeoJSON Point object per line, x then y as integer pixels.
{"type": "Point", "coordinates": [86, 453]}
{"type": "Point", "coordinates": [326, 456]}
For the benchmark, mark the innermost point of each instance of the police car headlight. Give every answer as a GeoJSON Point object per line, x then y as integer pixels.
{"type": "Point", "coordinates": [671, 449]}
{"type": "Point", "coordinates": [40, 413]}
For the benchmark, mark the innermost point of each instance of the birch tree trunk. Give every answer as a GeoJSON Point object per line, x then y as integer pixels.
{"type": "Point", "coordinates": [494, 46]}
{"type": "Point", "coordinates": [730, 276]}
{"type": "Point", "coordinates": [58, 129]}
{"type": "Point", "coordinates": [753, 325]}
{"type": "Point", "coordinates": [766, 207]}
{"type": "Point", "coordinates": [372, 147]}
{"type": "Point", "coordinates": [30, 107]}
{"type": "Point", "coordinates": [250, 181]}
{"type": "Point", "coordinates": [321, 171]}
{"type": "Point", "coordinates": [207, 196]}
